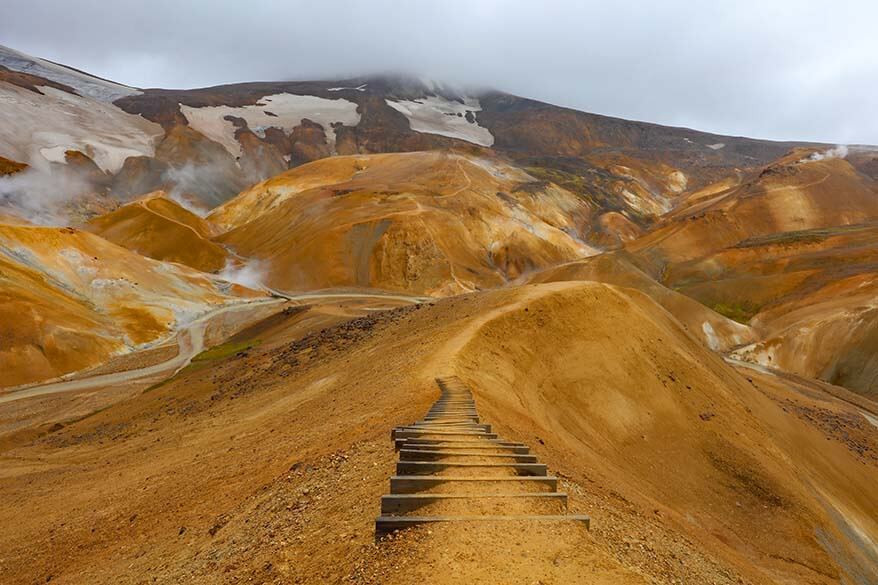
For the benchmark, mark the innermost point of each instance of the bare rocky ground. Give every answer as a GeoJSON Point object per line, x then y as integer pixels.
{"type": "Point", "coordinates": [266, 466]}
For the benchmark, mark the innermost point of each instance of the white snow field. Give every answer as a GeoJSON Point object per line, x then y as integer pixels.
{"type": "Point", "coordinates": [438, 115]}
{"type": "Point", "coordinates": [36, 128]}
{"type": "Point", "coordinates": [288, 110]}
{"type": "Point", "coordinates": [358, 88]}
{"type": "Point", "coordinates": [84, 84]}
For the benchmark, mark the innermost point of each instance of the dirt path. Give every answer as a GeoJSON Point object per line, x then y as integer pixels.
{"type": "Point", "coordinates": [441, 365]}
{"type": "Point", "coordinates": [349, 295]}
{"type": "Point", "coordinates": [149, 209]}
{"type": "Point", "coordinates": [190, 341]}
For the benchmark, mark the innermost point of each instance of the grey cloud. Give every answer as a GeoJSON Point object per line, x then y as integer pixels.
{"type": "Point", "coordinates": [784, 69]}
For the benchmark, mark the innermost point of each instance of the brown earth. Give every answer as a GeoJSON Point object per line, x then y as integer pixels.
{"type": "Point", "coordinates": [428, 222]}
{"type": "Point", "coordinates": [30, 82]}
{"type": "Point", "coordinates": [790, 250]}
{"type": "Point", "coordinates": [160, 228]}
{"type": "Point", "coordinates": [188, 163]}
{"type": "Point", "coordinates": [788, 195]}
{"type": "Point", "coordinates": [70, 299]}
{"type": "Point", "coordinates": [587, 147]}
{"type": "Point", "coordinates": [9, 167]}
{"type": "Point", "coordinates": [714, 330]}
{"type": "Point", "coordinates": [268, 465]}
{"type": "Point", "coordinates": [263, 461]}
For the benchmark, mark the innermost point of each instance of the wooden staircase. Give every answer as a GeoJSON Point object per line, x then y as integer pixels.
{"type": "Point", "coordinates": [452, 468]}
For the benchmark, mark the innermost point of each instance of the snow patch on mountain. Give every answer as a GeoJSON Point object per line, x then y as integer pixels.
{"type": "Point", "coordinates": [439, 115]}
{"type": "Point", "coordinates": [358, 88]}
{"type": "Point", "coordinates": [284, 111]}
{"type": "Point", "coordinates": [38, 129]}
{"type": "Point", "coordinates": [84, 84]}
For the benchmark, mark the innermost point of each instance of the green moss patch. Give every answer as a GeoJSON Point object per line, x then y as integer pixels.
{"type": "Point", "coordinates": [740, 312]}
{"type": "Point", "coordinates": [207, 357]}
{"type": "Point", "coordinates": [224, 350]}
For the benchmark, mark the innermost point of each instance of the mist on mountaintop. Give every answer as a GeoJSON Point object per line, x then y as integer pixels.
{"type": "Point", "coordinates": [787, 70]}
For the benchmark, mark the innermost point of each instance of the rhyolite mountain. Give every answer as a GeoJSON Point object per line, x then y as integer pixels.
{"type": "Point", "coordinates": [398, 183]}
{"type": "Point", "coordinates": [210, 143]}
{"type": "Point", "coordinates": [655, 311]}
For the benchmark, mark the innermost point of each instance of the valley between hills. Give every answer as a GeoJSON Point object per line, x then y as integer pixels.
{"type": "Point", "coordinates": [217, 306]}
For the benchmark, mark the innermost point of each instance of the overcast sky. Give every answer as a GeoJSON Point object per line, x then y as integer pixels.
{"type": "Point", "coordinates": [782, 69]}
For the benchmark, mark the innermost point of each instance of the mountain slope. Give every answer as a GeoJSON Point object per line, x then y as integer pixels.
{"type": "Point", "coordinates": [71, 299]}
{"type": "Point", "coordinates": [791, 194]}
{"type": "Point", "coordinates": [826, 331]}
{"type": "Point", "coordinates": [717, 332]}
{"type": "Point", "coordinates": [690, 472]}
{"type": "Point", "coordinates": [789, 249]}
{"type": "Point", "coordinates": [612, 269]}
{"type": "Point", "coordinates": [429, 222]}
{"type": "Point", "coordinates": [160, 228]}
{"type": "Point", "coordinates": [213, 141]}
{"type": "Point", "coordinates": [82, 83]}
{"type": "Point", "coordinates": [41, 122]}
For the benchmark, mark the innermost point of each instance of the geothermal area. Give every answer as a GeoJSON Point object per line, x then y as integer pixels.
{"type": "Point", "coordinates": [385, 331]}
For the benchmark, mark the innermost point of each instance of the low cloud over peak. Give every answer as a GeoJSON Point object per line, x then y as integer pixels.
{"type": "Point", "coordinates": [789, 70]}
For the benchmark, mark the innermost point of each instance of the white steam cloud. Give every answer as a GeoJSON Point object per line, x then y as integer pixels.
{"type": "Point", "coordinates": [40, 195]}
{"type": "Point", "coordinates": [184, 179]}
{"type": "Point", "coordinates": [840, 151]}
{"type": "Point", "coordinates": [251, 274]}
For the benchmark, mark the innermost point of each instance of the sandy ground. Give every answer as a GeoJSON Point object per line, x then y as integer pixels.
{"type": "Point", "coordinates": [50, 406]}
{"type": "Point", "coordinates": [267, 466]}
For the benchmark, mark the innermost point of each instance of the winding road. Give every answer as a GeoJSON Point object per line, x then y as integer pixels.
{"type": "Point", "coordinates": [191, 342]}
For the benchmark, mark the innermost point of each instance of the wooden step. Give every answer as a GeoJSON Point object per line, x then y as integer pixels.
{"type": "Point", "coordinates": [448, 420]}
{"type": "Point", "coordinates": [457, 442]}
{"type": "Point", "coordinates": [448, 432]}
{"type": "Point", "coordinates": [452, 468]}
{"type": "Point", "coordinates": [431, 434]}
{"type": "Point", "coordinates": [481, 447]}
{"type": "Point", "coordinates": [405, 503]}
{"type": "Point", "coordinates": [461, 442]}
{"type": "Point", "coordinates": [412, 484]}
{"type": "Point", "coordinates": [443, 455]}
{"type": "Point", "coordinates": [448, 427]}
{"type": "Point", "coordinates": [450, 413]}
{"type": "Point", "coordinates": [438, 467]}
{"type": "Point", "coordinates": [386, 524]}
